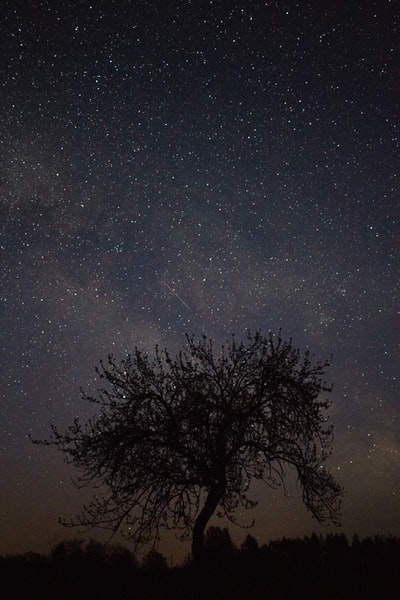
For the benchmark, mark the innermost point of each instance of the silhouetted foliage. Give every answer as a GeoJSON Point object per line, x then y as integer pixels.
{"type": "Point", "coordinates": [218, 543]}
{"type": "Point", "coordinates": [250, 544]}
{"type": "Point", "coordinates": [177, 439]}
{"type": "Point", "coordinates": [155, 562]}
{"type": "Point", "coordinates": [91, 570]}
{"type": "Point", "coordinates": [286, 568]}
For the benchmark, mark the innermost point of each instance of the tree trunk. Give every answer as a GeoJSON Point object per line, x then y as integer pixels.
{"type": "Point", "coordinates": [211, 503]}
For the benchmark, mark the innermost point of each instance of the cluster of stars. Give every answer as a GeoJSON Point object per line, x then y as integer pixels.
{"type": "Point", "coordinates": [199, 167]}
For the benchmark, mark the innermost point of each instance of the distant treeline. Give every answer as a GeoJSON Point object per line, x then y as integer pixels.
{"type": "Point", "coordinates": [315, 567]}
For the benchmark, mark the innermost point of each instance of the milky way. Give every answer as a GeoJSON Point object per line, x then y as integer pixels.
{"type": "Point", "coordinates": [198, 167]}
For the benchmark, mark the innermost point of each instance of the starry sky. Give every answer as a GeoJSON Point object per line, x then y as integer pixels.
{"type": "Point", "coordinates": [198, 167]}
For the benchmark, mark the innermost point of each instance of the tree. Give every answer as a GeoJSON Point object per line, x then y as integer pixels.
{"type": "Point", "coordinates": [155, 562]}
{"type": "Point", "coordinates": [250, 544]}
{"type": "Point", "coordinates": [177, 439]}
{"type": "Point", "coordinates": [218, 543]}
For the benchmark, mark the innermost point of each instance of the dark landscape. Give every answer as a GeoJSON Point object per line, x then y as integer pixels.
{"type": "Point", "coordinates": [315, 567]}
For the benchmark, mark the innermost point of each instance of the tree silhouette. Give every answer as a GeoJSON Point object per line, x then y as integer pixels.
{"type": "Point", "coordinates": [177, 439]}
{"type": "Point", "coordinates": [250, 544]}
{"type": "Point", "coordinates": [218, 543]}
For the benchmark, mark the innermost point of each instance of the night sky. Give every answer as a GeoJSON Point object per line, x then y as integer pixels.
{"type": "Point", "coordinates": [172, 167]}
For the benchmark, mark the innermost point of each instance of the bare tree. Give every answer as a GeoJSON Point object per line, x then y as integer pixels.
{"type": "Point", "coordinates": [177, 439]}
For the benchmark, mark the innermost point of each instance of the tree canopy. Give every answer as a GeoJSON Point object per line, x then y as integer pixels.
{"type": "Point", "coordinates": [179, 438]}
